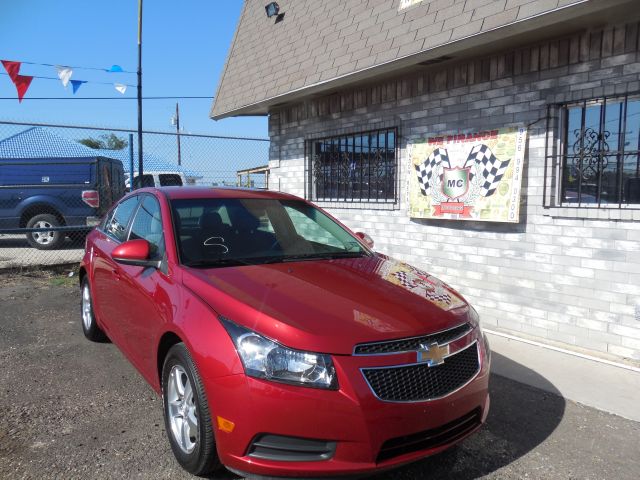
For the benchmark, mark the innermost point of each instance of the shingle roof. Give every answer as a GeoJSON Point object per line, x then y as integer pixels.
{"type": "Point", "coordinates": [37, 142]}
{"type": "Point", "coordinates": [325, 44]}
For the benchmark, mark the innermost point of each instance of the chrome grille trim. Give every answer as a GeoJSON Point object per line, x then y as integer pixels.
{"type": "Point", "coordinates": [420, 338]}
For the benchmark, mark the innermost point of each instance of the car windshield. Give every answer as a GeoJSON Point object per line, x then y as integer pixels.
{"type": "Point", "coordinates": [221, 232]}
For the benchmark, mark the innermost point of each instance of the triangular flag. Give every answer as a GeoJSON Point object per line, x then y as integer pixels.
{"type": "Point", "coordinates": [120, 87]}
{"type": "Point", "coordinates": [115, 69]}
{"type": "Point", "coordinates": [22, 83]}
{"type": "Point", "coordinates": [64, 74]}
{"type": "Point", "coordinates": [12, 68]}
{"type": "Point", "coordinates": [76, 84]}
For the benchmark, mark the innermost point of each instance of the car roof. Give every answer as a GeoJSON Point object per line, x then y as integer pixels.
{"type": "Point", "coordinates": [183, 193]}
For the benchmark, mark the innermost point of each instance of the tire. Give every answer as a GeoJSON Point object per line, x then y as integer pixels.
{"type": "Point", "coordinates": [90, 327]}
{"type": "Point", "coordinates": [187, 417]}
{"type": "Point", "coordinates": [44, 240]}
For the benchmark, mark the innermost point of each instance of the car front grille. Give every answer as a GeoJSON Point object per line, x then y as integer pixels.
{"type": "Point", "coordinates": [436, 437]}
{"type": "Point", "coordinates": [410, 344]}
{"type": "Point", "coordinates": [420, 382]}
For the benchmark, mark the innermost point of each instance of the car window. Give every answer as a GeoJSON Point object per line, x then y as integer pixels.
{"type": "Point", "coordinates": [170, 180]}
{"type": "Point", "coordinates": [147, 181]}
{"type": "Point", "coordinates": [116, 226]}
{"type": "Point", "coordinates": [252, 231]}
{"type": "Point", "coordinates": [147, 225]}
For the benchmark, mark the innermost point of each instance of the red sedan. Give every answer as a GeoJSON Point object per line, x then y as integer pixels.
{"type": "Point", "coordinates": [281, 343]}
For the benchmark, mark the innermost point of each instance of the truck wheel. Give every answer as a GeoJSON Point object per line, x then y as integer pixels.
{"type": "Point", "coordinates": [44, 240]}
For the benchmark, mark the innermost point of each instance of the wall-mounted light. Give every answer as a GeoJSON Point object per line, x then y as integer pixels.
{"type": "Point", "coordinates": [272, 9]}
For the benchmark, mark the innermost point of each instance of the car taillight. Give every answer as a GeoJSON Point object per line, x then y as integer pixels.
{"type": "Point", "coordinates": [91, 198]}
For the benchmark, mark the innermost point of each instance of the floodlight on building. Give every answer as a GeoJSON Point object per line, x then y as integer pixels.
{"type": "Point", "coordinates": [272, 9]}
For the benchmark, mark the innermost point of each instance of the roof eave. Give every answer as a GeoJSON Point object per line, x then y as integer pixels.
{"type": "Point", "coordinates": [498, 36]}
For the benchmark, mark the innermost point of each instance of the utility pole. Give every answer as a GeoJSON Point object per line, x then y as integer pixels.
{"type": "Point", "coordinates": [140, 162]}
{"type": "Point", "coordinates": [178, 133]}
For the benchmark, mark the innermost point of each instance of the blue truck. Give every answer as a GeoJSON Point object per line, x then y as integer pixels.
{"type": "Point", "coordinates": [41, 193]}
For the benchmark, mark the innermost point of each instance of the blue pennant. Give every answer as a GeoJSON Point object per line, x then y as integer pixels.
{"type": "Point", "coordinates": [115, 68]}
{"type": "Point", "coordinates": [76, 84]}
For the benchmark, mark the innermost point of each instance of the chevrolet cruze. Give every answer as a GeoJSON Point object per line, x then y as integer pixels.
{"type": "Point", "coordinates": [281, 343]}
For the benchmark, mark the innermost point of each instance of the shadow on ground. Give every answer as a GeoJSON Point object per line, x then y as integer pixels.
{"type": "Point", "coordinates": [520, 418]}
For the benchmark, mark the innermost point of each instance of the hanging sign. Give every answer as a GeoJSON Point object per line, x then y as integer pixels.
{"type": "Point", "coordinates": [474, 176]}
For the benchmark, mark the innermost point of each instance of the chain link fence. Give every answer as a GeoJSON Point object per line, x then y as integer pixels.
{"type": "Point", "coordinates": [56, 181]}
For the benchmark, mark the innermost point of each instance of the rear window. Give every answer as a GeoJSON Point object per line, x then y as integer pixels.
{"type": "Point", "coordinates": [147, 181]}
{"type": "Point", "coordinates": [170, 180]}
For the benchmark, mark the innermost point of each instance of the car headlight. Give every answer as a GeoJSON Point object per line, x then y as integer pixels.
{"type": "Point", "coordinates": [264, 358]}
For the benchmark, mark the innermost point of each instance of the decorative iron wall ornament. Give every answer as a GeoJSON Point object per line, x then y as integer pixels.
{"type": "Point", "coordinates": [590, 150]}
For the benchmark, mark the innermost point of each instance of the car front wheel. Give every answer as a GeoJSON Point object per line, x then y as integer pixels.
{"type": "Point", "coordinates": [186, 413]}
{"type": "Point", "coordinates": [90, 327]}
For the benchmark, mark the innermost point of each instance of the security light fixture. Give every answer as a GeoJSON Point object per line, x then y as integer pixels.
{"type": "Point", "coordinates": [272, 9]}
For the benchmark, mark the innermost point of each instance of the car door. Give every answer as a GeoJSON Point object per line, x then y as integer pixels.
{"type": "Point", "coordinates": [106, 272]}
{"type": "Point", "coordinates": [145, 299]}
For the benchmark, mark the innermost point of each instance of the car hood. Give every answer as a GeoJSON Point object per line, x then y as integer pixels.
{"type": "Point", "coordinates": [330, 306]}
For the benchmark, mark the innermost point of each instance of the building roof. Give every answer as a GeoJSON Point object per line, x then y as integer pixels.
{"type": "Point", "coordinates": [38, 142]}
{"type": "Point", "coordinates": [322, 45]}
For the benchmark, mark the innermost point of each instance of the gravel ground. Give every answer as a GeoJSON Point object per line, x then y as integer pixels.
{"type": "Point", "coordinates": [74, 409]}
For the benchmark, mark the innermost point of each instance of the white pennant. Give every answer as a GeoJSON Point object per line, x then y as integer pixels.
{"type": "Point", "coordinates": [120, 87]}
{"type": "Point", "coordinates": [64, 74]}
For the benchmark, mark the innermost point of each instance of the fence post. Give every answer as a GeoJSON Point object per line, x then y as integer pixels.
{"type": "Point", "coordinates": [131, 162]}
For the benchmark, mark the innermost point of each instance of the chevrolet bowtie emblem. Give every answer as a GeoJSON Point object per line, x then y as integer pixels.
{"type": "Point", "coordinates": [433, 354]}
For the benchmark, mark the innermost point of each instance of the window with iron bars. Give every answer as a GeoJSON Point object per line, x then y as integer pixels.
{"type": "Point", "coordinates": [598, 155]}
{"type": "Point", "coordinates": [359, 167]}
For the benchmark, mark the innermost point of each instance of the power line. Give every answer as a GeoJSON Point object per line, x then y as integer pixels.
{"type": "Point", "coordinates": [114, 98]}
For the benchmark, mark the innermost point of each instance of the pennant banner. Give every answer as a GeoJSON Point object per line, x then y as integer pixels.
{"type": "Point", "coordinates": [64, 74]}
{"type": "Point", "coordinates": [115, 69]}
{"type": "Point", "coordinates": [76, 84]}
{"type": "Point", "coordinates": [12, 68]}
{"type": "Point", "coordinates": [120, 87]}
{"type": "Point", "coordinates": [22, 83]}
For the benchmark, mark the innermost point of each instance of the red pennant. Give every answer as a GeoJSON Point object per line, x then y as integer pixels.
{"type": "Point", "coordinates": [22, 83]}
{"type": "Point", "coordinates": [12, 68]}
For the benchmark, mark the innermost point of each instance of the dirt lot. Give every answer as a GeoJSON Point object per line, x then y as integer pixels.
{"type": "Point", "coordinates": [74, 409]}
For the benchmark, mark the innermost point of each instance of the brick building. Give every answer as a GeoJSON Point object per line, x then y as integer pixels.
{"type": "Point", "coordinates": [351, 87]}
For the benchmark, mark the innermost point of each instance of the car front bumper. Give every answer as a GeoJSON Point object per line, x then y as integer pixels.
{"type": "Point", "coordinates": [361, 434]}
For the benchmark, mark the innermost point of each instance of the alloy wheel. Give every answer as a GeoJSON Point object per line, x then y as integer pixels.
{"type": "Point", "coordinates": [182, 411]}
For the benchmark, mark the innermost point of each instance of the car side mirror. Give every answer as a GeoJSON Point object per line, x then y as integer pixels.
{"type": "Point", "coordinates": [368, 241]}
{"type": "Point", "coordinates": [136, 253]}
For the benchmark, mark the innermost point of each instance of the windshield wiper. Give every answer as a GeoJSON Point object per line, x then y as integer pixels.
{"type": "Point", "coordinates": [323, 256]}
{"type": "Point", "coordinates": [222, 262]}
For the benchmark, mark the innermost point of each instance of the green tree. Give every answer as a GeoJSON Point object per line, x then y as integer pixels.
{"type": "Point", "coordinates": [105, 142]}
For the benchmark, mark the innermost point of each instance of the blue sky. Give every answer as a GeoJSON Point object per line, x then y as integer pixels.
{"type": "Point", "coordinates": [185, 44]}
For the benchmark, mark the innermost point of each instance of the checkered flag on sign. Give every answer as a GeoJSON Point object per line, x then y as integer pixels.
{"type": "Point", "coordinates": [425, 169]}
{"type": "Point", "coordinates": [492, 169]}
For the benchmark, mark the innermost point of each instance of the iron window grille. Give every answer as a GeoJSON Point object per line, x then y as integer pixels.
{"type": "Point", "coordinates": [360, 167]}
{"type": "Point", "coordinates": [592, 157]}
